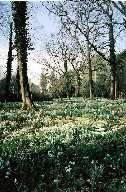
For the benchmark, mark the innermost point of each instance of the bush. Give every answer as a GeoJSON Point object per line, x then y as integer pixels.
{"type": "Point", "coordinates": [36, 96]}
{"type": "Point", "coordinates": [11, 97]}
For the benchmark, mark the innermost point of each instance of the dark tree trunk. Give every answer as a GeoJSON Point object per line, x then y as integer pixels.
{"type": "Point", "coordinates": [18, 82]}
{"type": "Point", "coordinates": [19, 12]}
{"type": "Point", "coordinates": [9, 64]}
{"type": "Point", "coordinates": [113, 62]}
{"type": "Point", "coordinates": [66, 78]}
{"type": "Point", "coordinates": [77, 89]}
{"type": "Point", "coordinates": [25, 89]}
{"type": "Point", "coordinates": [88, 58]}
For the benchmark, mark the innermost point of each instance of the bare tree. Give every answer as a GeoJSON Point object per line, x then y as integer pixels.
{"type": "Point", "coordinates": [82, 18]}
{"type": "Point", "coordinates": [99, 23]}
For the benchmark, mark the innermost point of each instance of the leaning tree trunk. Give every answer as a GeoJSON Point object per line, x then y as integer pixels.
{"type": "Point", "coordinates": [9, 64]}
{"type": "Point", "coordinates": [19, 12]}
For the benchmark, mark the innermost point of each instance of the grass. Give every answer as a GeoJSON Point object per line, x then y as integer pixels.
{"type": "Point", "coordinates": [67, 146]}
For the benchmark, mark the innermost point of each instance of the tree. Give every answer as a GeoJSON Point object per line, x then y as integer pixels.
{"type": "Point", "coordinates": [107, 8]}
{"type": "Point", "coordinates": [19, 13]}
{"type": "Point", "coordinates": [121, 6]}
{"type": "Point", "coordinates": [18, 82]}
{"type": "Point", "coordinates": [9, 63]}
{"type": "Point", "coordinates": [78, 68]}
{"type": "Point", "coordinates": [121, 75]}
{"type": "Point", "coordinates": [66, 75]}
{"type": "Point", "coordinates": [43, 82]}
{"type": "Point", "coordinates": [100, 24]}
{"type": "Point", "coordinates": [80, 22]}
{"type": "Point", "coordinates": [113, 62]}
{"type": "Point", "coordinates": [58, 51]}
{"type": "Point", "coordinates": [88, 56]}
{"type": "Point", "coordinates": [112, 59]}
{"type": "Point", "coordinates": [75, 50]}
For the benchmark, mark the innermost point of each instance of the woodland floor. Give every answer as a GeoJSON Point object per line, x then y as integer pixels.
{"type": "Point", "coordinates": [70, 145]}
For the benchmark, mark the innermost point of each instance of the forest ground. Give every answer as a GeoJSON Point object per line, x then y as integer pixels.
{"type": "Point", "coordinates": [69, 145]}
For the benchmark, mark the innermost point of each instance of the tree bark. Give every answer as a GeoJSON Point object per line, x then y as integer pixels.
{"type": "Point", "coordinates": [88, 58]}
{"type": "Point", "coordinates": [25, 90]}
{"type": "Point", "coordinates": [19, 12]}
{"type": "Point", "coordinates": [113, 63]}
{"type": "Point", "coordinates": [66, 78]}
{"type": "Point", "coordinates": [18, 83]}
{"type": "Point", "coordinates": [9, 64]}
{"type": "Point", "coordinates": [78, 85]}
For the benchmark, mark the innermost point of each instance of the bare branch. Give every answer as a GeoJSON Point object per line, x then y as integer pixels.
{"type": "Point", "coordinates": [117, 7]}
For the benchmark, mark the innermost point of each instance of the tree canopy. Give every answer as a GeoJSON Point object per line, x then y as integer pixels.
{"type": "Point", "coordinates": [84, 31]}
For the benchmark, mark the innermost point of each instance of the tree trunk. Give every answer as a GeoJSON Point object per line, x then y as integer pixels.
{"type": "Point", "coordinates": [113, 63]}
{"type": "Point", "coordinates": [88, 58]}
{"type": "Point", "coordinates": [19, 12]}
{"type": "Point", "coordinates": [67, 89]}
{"type": "Point", "coordinates": [25, 90]}
{"type": "Point", "coordinates": [9, 64]}
{"type": "Point", "coordinates": [18, 82]}
{"type": "Point", "coordinates": [67, 79]}
{"type": "Point", "coordinates": [77, 89]}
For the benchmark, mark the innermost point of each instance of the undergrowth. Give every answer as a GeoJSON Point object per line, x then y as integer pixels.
{"type": "Point", "coordinates": [67, 146]}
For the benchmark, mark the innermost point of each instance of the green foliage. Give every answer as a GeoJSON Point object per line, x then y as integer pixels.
{"type": "Point", "coordinates": [13, 95]}
{"type": "Point", "coordinates": [70, 145]}
{"type": "Point", "coordinates": [102, 86]}
{"type": "Point", "coordinates": [121, 77]}
{"type": "Point", "coordinates": [85, 89]}
{"type": "Point", "coordinates": [36, 96]}
{"type": "Point", "coordinates": [60, 86]}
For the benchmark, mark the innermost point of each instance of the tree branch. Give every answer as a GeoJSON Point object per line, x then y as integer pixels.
{"type": "Point", "coordinates": [117, 7]}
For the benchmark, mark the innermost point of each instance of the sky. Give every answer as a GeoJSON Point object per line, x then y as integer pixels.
{"type": "Point", "coordinates": [41, 25]}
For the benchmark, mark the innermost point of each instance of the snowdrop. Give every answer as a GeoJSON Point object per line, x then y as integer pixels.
{"type": "Point", "coordinates": [68, 169]}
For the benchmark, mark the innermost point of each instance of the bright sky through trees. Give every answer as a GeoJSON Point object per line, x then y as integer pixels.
{"type": "Point", "coordinates": [41, 25]}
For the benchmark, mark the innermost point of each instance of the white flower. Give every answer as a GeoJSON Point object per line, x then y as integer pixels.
{"type": "Point", "coordinates": [15, 180]}
{"type": "Point", "coordinates": [55, 181]}
{"type": "Point", "coordinates": [60, 153]}
{"type": "Point", "coordinates": [85, 157]}
{"type": "Point", "coordinates": [92, 162]}
{"type": "Point", "coordinates": [68, 169]}
{"type": "Point", "coordinates": [50, 154]}
{"type": "Point", "coordinates": [72, 163]}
